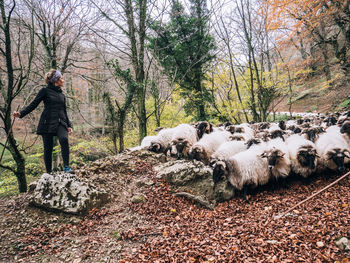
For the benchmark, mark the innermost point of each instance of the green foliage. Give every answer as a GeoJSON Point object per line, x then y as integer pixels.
{"type": "Point", "coordinates": [82, 151]}
{"type": "Point", "coordinates": [185, 48]}
{"type": "Point", "coordinates": [345, 104]}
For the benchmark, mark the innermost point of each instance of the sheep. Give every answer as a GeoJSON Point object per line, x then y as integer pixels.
{"type": "Point", "coordinates": [334, 151]}
{"type": "Point", "coordinates": [231, 128]}
{"type": "Point", "coordinates": [247, 168]}
{"type": "Point", "coordinates": [252, 142]}
{"type": "Point", "coordinates": [205, 147]}
{"type": "Point", "coordinates": [273, 127]}
{"type": "Point", "coordinates": [161, 142]}
{"type": "Point", "coordinates": [237, 137]}
{"type": "Point", "coordinates": [345, 130]}
{"type": "Point", "coordinates": [277, 155]}
{"type": "Point", "coordinates": [282, 125]}
{"type": "Point", "coordinates": [246, 130]}
{"type": "Point", "coordinates": [182, 139]}
{"type": "Point", "coordinates": [145, 144]}
{"type": "Point", "coordinates": [203, 127]}
{"type": "Point", "coordinates": [146, 141]}
{"type": "Point", "coordinates": [226, 150]}
{"type": "Point", "coordinates": [343, 118]}
{"type": "Point", "coordinates": [276, 134]}
{"type": "Point", "coordinates": [303, 155]}
{"type": "Point", "coordinates": [263, 135]}
{"type": "Point", "coordinates": [312, 133]}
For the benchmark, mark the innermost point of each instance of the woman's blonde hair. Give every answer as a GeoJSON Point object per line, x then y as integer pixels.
{"type": "Point", "coordinates": [49, 75]}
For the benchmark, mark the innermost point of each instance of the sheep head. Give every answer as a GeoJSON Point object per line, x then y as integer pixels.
{"type": "Point", "coordinates": [282, 125]}
{"type": "Point", "coordinates": [345, 128]}
{"type": "Point", "coordinates": [203, 127]}
{"type": "Point", "coordinates": [155, 147]}
{"type": "Point", "coordinates": [312, 133]}
{"type": "Point", "coordinates": [300, 121]}
{"type": "Point", "coordinates": [236, 138]}
{"type": "Point", "coordinates": [337, 156]}
{"type": "Point", "coordinates": [276, 134]}
{"type": "Point", "coordinates": [219, 169]}
{"type": "Point", "coordinates": [306, 157]}
{"type": "Point", "coordinates": [297, 130]}
{"type": "Point", "coordinates": [264, 125]}
{"type": "Point", "coordinates": [273, 157]}
{"type": "Point", "coordinates": [199, 153]}
{"type": "Point", "coordinates": [251, 142]}
{"type": "Point", "coordinates": [182, 147]}
{"type": "Point", "coordinates": [230, 128]}
{"type": "Point", "coordinates": [240, 130]}
{"type": "Point", "coordinates": [331, 120]}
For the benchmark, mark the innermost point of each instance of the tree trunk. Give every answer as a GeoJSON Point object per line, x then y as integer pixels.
{"type": "Point", "coordinates": [142, 113]}
{"type": "Point", "coordinates": [122, 115]}
{"type": "Point", "coordinates": [20, 164]}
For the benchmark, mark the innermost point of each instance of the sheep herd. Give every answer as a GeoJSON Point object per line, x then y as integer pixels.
{"type": "Point", "coordinates": [252, 154]}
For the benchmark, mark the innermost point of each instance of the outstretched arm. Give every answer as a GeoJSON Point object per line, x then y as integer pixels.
{"type": "Point", "coordinates": [34, 103]}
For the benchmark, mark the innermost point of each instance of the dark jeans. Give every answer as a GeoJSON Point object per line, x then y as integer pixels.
{"type": "Point", "coordinates": [62, 135]}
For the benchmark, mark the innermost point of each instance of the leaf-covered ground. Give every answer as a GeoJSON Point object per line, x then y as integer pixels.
{"type": "Point", "coordinates": [172, 229]}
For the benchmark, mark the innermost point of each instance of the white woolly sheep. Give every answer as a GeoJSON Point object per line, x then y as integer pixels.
{"type": "Point", "coordinates": [345, 130]}
{"type": "Point", "coordinates": [161, 142]}
{"type": "Point", "coordinates": [205, 147]}
{"type": "Point", "coordinates": [203, 127]}
{"type": "Point", "coordinates": [277, 155]}
{"type": "Point", "coordinates": [247, 168]}
{"type": "Point", "coordinates": [226, 150]}
{"type": "Point", "coordinates": [303, 155]}
{"type": "Point", "coordinates": [334, 151]}
{"type": "Point", "coordinates": [183, 138]}
{"type": "Point", "coordinates": [312, 133]}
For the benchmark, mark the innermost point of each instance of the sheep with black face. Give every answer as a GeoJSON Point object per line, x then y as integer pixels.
{"type": "Point", "coordinates": [303, 155]}
{"type": "Point", "coordinates": [334, 151]}
{"type": "Point", "coordinates": [205, 147]}
{"type": "Point", "coordinates": [247, 169]}
{"type": "Point", "coordinates": [226, 150]}
{"type": "Point", "coordinates": [183, 138]}
{"type": "Point", "coordinates": [312, 133]}
{"type": "Point", "coordinates": [277, 155]}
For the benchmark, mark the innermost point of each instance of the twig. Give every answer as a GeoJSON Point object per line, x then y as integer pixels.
{"type": "Point", "coordinates": [8, 135]}
{"type": "Point", "coordinates": [196, 198]}
{"type": "Point", "coordinates": [313, 195]}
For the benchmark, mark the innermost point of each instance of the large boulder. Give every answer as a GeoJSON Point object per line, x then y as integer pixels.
{"type": "Point", "coordinates": [196, 178]}
{"type": "Point", "coordinates": [67, 193]}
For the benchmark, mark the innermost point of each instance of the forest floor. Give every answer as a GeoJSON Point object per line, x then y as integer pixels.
{"type": "Point", "coordinates": [173, 229]}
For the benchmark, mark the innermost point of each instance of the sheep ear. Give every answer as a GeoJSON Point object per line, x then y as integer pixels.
{"type": "Point", "coordinates": [303, 131]}
{"type": "Point", "coordinates": [347, 154]}
{"type": "Point", "coordinates": [330, 153]}
{"type": "Point", "coordinates": [281, 154]}
{"type": "Point", "coordinates": [263, 155]}
{"type": "Point", "coordinates": [212, 162]}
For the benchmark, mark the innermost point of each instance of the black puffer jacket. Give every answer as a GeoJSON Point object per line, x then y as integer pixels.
{"type": "Point", "coordinates": [54, 113]}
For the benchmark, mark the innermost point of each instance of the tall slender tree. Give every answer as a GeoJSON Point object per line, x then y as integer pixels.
{"type": "Point", "coordinates": [185, 48]}
{"type": "Point", "coordinates": [17, 51]}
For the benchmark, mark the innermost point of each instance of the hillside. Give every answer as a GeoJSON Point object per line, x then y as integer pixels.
{"type": "Point", "coordinates": [314, 94]}
{"type": "Point", "coordinates": [165, 228]}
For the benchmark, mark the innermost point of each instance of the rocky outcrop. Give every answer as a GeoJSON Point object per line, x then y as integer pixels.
{"type": "Point", "coordinates": [196, 178]}
{"type": "Point", "coordinates": [67, 193]}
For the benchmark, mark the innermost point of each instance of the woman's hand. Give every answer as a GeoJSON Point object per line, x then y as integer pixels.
{"type": "Point", "coordinates": [16, 114]}
{"type": "Point", "coordinates": [70, 130]}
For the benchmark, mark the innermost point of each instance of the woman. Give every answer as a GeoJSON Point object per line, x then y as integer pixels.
{"type": "Point", "coordinates": [54, 120]}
